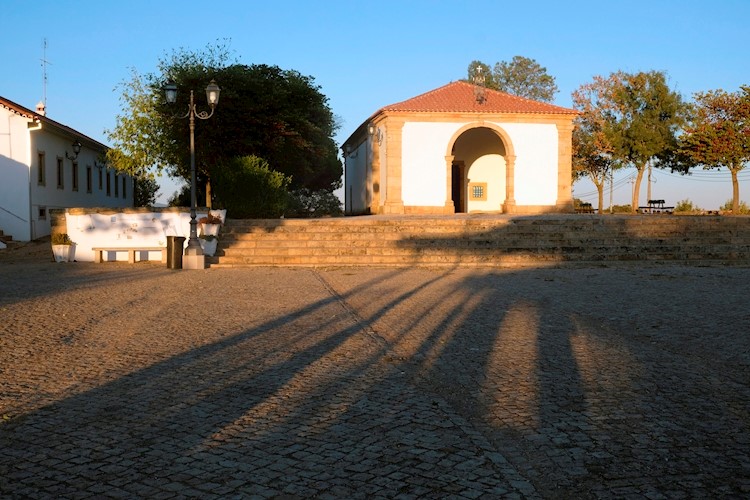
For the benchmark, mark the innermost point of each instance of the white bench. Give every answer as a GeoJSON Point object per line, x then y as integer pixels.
{"type": "Point", "coordinates": [131, 252]}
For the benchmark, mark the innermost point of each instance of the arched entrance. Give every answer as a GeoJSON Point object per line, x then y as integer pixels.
{"type": "Point", "coordinates": [480, 170]}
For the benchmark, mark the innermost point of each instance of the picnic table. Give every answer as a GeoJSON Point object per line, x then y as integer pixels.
{"type": "Point", "coordinates": [656, 207]}
{"type": "Point", "coordinates": [584, 208]}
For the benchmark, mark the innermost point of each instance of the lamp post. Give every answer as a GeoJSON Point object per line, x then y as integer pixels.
{"type": "Point", "coordinates": [193, 252]}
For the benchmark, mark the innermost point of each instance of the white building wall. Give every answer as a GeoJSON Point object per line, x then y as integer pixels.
{"type": "Point", "coordinates": [355, 179]}
{"type": "Point", "coordinates": [424, 145]}
{"type": "Point", "coordinates": [423, 170]}
{"type": "Point", "coordinates": [536, 151]}
{"type": "Point", "coordinates": [49, 196]}
{"type": "Point", "coordinates": [24, 201]}
{"type": "Point", "coordinates": [148, 229]}
{"type": "Point", "coordinates": [14, 175]}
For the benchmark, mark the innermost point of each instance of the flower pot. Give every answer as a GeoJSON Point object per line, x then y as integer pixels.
{"type": "Point", "coordinates": [61, 252]}
{"type": "Point", "coordinates": [210, 229]}
{"type": "Point", "coordinates": [209, 246]}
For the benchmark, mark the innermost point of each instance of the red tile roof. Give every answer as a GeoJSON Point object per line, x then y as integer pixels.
{"type": "Point", "coordinates": [461, 97]}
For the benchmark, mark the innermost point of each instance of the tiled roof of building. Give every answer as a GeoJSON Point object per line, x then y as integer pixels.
{"type": "Point", "coordinates": [462, 97]}
{"type": "Point", "coordinates": [38, 117]}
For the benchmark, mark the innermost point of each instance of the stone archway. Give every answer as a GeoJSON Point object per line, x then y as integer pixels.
{"type": "Point", "coordinates": [480, 156]}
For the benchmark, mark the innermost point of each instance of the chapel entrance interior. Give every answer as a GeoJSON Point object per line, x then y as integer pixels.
{"type": "Point", "coordinates": [478, 171]}
{"type": "Point", "coordinates": [457, 187]}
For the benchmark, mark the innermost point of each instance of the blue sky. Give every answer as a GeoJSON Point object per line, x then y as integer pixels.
{"type": "Point", "coordinates": [367, 54]}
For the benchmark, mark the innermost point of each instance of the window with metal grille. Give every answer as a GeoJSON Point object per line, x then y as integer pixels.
{"type": "Point", "coordinates": [478, 191]}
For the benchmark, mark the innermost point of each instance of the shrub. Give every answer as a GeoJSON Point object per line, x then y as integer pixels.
{"type": "Point", "coordinates": [621, 209]}
{"type": "Point", "coordinates": [249, 189]}
{"type": "Point", "coordinates": [306, 203]}
{"type": "Point", "coordinates": [686, 206]}
{"type": "Point", "coordinates": [61, 239]}
{"type": "Point", "coordinates": [744, 209]}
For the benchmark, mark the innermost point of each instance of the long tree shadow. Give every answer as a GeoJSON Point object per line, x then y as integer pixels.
{"type": "Point", "coordinates": [591, 382]}
{"type": "Point", "coordinates": [297, 405]}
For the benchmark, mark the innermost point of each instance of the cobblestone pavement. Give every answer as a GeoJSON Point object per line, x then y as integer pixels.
{"type": "Point", "coordinates": [135, 381]}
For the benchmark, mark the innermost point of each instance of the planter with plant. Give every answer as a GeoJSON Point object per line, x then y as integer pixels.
{"type": "Point", "coordinates": [62, 247]}
{"type": "Point", "coordinates": [210, 225]}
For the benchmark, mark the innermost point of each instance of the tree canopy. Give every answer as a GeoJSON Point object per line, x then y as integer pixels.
{"type": "Point", "coordinates": [718, 134]}
{"type": "Point", "coordinates": [278, 115]}
{"type": "Point", "coordinates": [637, 119]}
{"type": "Point", "coordinates": [521, 76]}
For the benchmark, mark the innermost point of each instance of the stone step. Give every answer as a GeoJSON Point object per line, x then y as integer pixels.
{"type": "Point", "coordinates": [482, 241]}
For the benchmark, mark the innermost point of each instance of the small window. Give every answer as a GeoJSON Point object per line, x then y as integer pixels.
{"type": "Point", "coordinates": [42, 213]}
{"type": "Point", "coordinates": [117, 186]}
{"type": "Point", "coordinates": [478, 191]}
{"type": "Point", "coordinates": [41, 175]}
{"type": "Point", "coordinates": [75, 176]}
{"type": "Point", "coordinates": [60, 173]}
{"type": "Point", "coordinates": [109, 184]}
{"type": "Point", "coordinates": [89, 179]}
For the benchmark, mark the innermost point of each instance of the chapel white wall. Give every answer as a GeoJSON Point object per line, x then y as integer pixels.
{"type": "Point", "coordinates": [536, 151]}
{"type": "Point", "coordinates": [423, 168]}
{"type": "Point", "coordinates": [424, 146]}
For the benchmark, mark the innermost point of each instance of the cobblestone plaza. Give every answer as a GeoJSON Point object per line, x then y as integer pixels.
{"type": "Point", "coordinates": [136, 381]}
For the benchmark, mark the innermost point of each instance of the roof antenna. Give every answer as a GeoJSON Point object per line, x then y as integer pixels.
{"type": "Point", "coordinates": [479, 90]}
{"type": "Point", "coordinates": [42, 106]}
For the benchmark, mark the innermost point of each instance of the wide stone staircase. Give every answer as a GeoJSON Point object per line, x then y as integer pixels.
{"type": "Point", "coordinates": [484, 240]}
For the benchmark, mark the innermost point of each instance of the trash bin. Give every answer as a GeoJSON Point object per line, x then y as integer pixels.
{"type": "Point", "coordinates": [175, 246]}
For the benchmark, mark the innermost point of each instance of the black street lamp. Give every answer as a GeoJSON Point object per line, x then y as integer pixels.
{"type": "Point", "coordinates": [212, 96]}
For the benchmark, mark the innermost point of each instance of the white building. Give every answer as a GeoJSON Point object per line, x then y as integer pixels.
{"type": "Point", "coordinates": [461, 148]}
{"type": "Point", "coordinates": [45, 165]}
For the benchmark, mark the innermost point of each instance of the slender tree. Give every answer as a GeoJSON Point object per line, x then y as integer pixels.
{"type": "Point", "coordinates": [719, 134]}
{"type": "Point", "coordinates": [591, 157]}
{"type": "Point", "coordinates": [592, 148]}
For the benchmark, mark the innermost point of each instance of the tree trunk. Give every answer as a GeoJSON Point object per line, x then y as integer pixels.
{"type": "Point", "coordinates": [208, 194]}
{"type": "Point", "coordinates": [735, 192]}
{"type": "Point", "coordinates": [599, 183]}
{"type": "Point", "coordinates": [637, 188]}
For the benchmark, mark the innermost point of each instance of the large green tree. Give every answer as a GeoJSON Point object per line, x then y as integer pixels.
{"type": "Point", "coordinates": [521, 76]}
{"type": "Point", "coordinates": [264, 111]}
{"type": "Point", "coordinates": [719, 134]}
{"type": "Point", "coordinates": [639, 117]}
